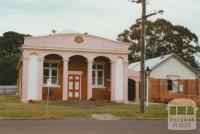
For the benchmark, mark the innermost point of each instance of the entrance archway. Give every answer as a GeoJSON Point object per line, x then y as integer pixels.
{"type": "Point", "coordinates": [131, 90]}
{"type": "Point", "coordinates": [77, 78]}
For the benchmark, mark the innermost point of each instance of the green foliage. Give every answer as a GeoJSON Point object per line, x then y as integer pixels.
{"type": "Point", "coordinates": [162, 38]}
{"type": "Point", "coordinates": [10, 43]}
{"type": "Point", "coordinates": [8, 69]}
{"type": "Point", "coordinates": [10, 47]}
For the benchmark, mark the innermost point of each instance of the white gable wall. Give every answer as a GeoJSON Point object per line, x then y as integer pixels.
{"type": "Point", "coordinates": [172, 67]}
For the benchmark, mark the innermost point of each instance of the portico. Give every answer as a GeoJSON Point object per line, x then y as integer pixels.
{"type": "Point", "coordinates": [80, 67]}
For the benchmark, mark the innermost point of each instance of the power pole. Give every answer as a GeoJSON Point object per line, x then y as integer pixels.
{"type": "Point", "coordinates": [142, 49]}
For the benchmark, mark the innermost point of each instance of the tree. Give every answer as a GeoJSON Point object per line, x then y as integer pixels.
{"type": "Point", "coordinates": [10, 43]}
{"type": "Point", "coordinates": [10, 48]}
{"type": "Point", "coordinates": [8, 69]}
{"type": "Point", "coordinates": [162, 37]}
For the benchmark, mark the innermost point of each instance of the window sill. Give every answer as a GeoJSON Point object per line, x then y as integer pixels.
{"type": "Point", "coordinates": [173, 92]}
{"type": "Point", "coordinates": [57, 86]}
{"type": "Point", "coordinates": [99, 87]}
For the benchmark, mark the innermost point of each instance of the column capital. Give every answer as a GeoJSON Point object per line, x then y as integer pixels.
{"type": "Point", "coordinates": [125, 62]}
{"type": "Point", "coordinates": [90, 61]}
{"type": "Point", "coordinates": [65, 59]}
{"type": "Point", "coordinates": [40, 59]}
{"type": "Point", "coordinates": [113, 62]}
{"type": "Point", "coordinates": [25, 58]}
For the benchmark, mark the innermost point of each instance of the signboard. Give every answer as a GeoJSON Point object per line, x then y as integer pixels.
{"type": "Point", "coordinates": [48, 83]}
{"type": "Point", "coordinates": [182, 114]}
{"type": "Point", "coordinates": [181, 88]}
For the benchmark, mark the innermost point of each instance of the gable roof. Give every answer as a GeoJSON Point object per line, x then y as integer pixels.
{"type": "Point", "coordinates": [155, 62]}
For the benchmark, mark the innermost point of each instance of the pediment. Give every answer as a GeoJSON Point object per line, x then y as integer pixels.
{"type": "Point", "coordinates": [75, 41]}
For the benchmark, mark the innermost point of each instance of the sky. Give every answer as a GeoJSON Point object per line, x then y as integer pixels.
{"type": "Point", "coordinates": [106, 18]}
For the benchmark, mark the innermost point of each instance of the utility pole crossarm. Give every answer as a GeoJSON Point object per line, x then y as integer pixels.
{"type": "Point", "coordinates": [151, 14]}
{"type": "Point", "coordinates": [136, 1]}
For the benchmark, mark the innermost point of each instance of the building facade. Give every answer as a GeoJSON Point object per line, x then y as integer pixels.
{"type": "Point", "coordinates": [78, 66]}
{"type": "Point", "coordinates": [169, 77]}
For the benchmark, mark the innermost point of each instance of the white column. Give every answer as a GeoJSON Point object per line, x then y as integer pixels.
{"type": "Point", "coordinates": [137, 91]}
{"type": "Point", "coordinates": [89, 79]}
{"type": "Point", "coordinates": [112, 91]}
{"type": "Point", "coordinates": [65, 79]}
{"type": "Point", "coordinates": [25, 80]}
{"type": "Point", "coordinates": [40, 78]}
{"type": "Point", "coordinates": [147, 92]}
{"type": "Point", "coordinates": [125, 91]}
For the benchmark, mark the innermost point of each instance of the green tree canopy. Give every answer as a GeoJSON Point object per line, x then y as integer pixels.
{"type": "Point", "coordinates": [162, 37]}
{"type": "Point", "coordinates": [8, 69]}
{"type": "Point", "coordinates": [10, 43]}
{"type": "Point", "coordinates": [10, 48]}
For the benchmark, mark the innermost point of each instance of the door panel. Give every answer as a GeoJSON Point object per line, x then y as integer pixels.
{"type": "Point", "coordinates": [74, 87]}
{"type": "Point", "coordinates": [77, 87]}
{"type": "Point", "coordinates": [70, 85]}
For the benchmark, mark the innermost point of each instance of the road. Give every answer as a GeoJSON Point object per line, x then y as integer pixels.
{"type": "Point", "coordinates": [88, 127]}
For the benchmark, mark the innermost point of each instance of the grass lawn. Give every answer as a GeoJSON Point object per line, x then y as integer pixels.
{"type": "Point", "coordinates": [10, 106]}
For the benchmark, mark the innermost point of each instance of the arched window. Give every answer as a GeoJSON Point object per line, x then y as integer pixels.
{"type": "Point", "coordinates": [51, 69]}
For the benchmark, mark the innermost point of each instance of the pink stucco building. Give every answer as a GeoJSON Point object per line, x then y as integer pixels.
{"type": "Point", "coordinates": [79, 67]}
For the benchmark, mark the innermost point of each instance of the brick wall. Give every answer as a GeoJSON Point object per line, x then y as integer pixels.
{"type": "Point", "coordinates": [159, 90]}
{"type": "Point", "coordinates": [19, 80]}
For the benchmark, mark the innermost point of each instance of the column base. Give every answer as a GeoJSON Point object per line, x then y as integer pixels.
{"type": "Point", "coordinates": [117, 101]}
{"type": "Point", "coordinates": [24, 101]}
{"type": "Point", "coordinates": [125, 102]}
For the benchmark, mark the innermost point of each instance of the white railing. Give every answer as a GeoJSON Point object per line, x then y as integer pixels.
{"type": "Point", "coordinates": [8, 89]}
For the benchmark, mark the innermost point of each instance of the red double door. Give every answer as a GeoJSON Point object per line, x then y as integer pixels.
{"type": "Point", "coordinates": [74, 85]}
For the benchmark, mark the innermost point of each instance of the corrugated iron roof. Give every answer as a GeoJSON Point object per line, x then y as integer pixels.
{"type": "Point", "coordinates": [151, 63]}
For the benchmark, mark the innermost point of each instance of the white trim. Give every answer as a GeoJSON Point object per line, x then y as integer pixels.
{"type": "Point", "coordinates": [173, 77]}
{"type": "Point", "coordinates": [80, 96]}
{"type": "Point", "coordinates": [76, 49]}
{"type": "Point", "coordinates": [75, 72]}
{"type": "Point", "coordinates": [103, 87]}
{"type": "Point", "coordinates": [54, 86]}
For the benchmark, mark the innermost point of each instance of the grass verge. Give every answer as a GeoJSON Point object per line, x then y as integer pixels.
{"type": "Point", "coordinates": [11, 107]}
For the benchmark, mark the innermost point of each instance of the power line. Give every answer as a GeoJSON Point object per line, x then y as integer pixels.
{"type": "Point", "coordinates": [178, 8]}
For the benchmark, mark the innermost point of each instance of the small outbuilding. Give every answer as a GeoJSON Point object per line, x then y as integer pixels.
{"type": "Point", "coordinates": [169, 77]}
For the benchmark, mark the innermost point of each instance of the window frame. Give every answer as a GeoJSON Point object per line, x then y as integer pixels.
{"type": "Point", "coordinates": [174, 83]}
{"type": "Point", "coordinates": [50, 69]}
{"type": "Point", "coordinates": [96, 70]}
